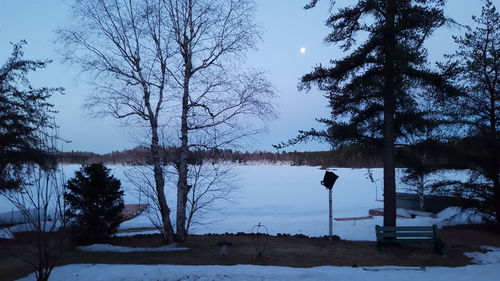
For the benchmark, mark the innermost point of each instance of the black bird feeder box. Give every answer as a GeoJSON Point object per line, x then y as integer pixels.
{"type": "Point", "coordinates": [328, 182]}
{"type": "Point", "coordinates": [329, 179]}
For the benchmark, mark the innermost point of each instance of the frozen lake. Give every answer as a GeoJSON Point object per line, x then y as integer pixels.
{"type": "Point", "coordinates": [286, 199]}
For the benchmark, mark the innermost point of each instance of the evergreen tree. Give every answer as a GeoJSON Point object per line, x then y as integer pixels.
{"type": "Point", "coordinates": [376, 91]}
{"type": "Point", "coordinates": [24, 111]}
{"type": "Point", "coordinates": [475, 67]}
{"type": "Point", "coordinates": [423, 162]}
{"type": "Point", "coordinates": [95, 203]}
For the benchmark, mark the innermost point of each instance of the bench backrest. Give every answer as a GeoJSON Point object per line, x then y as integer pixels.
{"type": "Point", "coordinates": [429, 232]}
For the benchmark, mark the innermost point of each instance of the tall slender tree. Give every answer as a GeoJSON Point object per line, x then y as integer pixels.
{"type": "Point", "coordinates": [475, 67]}
{"type": "Point", "coordinates": [162, 61]}
{"type": "Point", "coordinates": [375, 92]}
{"type": "Point", "coordinates": [211, 38]}
{"type": "Point", "coordinates": [124, 44]}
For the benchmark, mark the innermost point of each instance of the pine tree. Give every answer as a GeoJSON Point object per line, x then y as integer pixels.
{"type": "Point", "coordinates": [95, 203]}
{"type": "Point", "coordinates": [376, 91]}
{"type": "Point", "coordinates": [475, 67]}
{"type": "Point", "coordinates": [24, 113]}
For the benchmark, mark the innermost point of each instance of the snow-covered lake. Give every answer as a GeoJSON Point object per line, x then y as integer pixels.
{"type": "Point", "coordinates": [286, 199]}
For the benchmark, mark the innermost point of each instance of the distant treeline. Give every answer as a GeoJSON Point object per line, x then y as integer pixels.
{"type": "Point", "coordinates": [343, 157]}
{"type": "Point", "coordinates": [443, 155]}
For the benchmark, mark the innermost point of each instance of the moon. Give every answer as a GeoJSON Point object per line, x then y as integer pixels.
{"type": "Point", "coordinates": [302, 50]}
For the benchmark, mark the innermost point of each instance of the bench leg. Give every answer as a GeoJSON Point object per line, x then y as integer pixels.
{"type": "Point", "coordinates": [439, 247]}
{"type": "Point", "coordinates": [380, 247]}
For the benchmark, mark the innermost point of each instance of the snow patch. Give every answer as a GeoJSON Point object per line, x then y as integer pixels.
{"type": "Point", "coordinates": [122, 249]}
{"type": "Point", "coordinates": [455, 216]}
{"type": "Point", "coordinates": [492, 256]}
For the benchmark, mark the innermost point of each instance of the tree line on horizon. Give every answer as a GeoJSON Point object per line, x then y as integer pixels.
{"type": "Point", "coordinates": [344, 157]}
{"type": "Point", "coordinates": [352, 156]}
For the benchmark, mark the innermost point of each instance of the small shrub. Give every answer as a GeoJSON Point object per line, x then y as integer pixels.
{"type": "Point", "coordinates": [95, 204]}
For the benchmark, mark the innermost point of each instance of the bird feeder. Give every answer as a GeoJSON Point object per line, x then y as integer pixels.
{"type": "Point", "coordinates": [329, 179]}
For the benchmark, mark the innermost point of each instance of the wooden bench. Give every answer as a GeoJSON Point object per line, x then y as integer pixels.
{"type": "Point", "coordinates": [409, 235]}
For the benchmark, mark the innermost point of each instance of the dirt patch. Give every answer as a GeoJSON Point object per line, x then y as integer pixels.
{"type": "Point", "coordinates": [472, 235]}
{"type": "Point", "coordinates": [295, 251]}
{"type": "Point", "coordinates": [300, 251]}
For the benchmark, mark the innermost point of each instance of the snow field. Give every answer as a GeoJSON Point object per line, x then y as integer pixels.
{"type": "Point", "coordinates": [286, 199]}
{"type": "Point", "coordinates": [487, 270]}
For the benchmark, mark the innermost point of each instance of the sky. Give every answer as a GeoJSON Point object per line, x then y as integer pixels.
{"type": "Point", "coordinates": [287, 28]}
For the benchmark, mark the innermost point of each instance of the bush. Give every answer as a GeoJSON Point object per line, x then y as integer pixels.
{"type": "Point", "coordinates": [94, 204]}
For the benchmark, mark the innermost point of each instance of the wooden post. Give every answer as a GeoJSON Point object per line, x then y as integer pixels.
{"type": "Point", "coordinates": [330, 222]}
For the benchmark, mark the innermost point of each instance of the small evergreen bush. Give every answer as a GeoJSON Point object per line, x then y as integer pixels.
{"type": "Point", "coordinates": [94, 204]}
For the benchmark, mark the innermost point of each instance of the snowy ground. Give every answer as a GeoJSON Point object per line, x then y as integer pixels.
{"type": "Point", "coordinates": [487, 269]}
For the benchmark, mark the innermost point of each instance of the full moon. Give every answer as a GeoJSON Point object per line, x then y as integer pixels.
{"type": "Point", "coordinates": [302, 50]}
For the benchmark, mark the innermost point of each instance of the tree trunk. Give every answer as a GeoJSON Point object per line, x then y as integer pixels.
{"type": "Point", "coordinates": [160, 184]}
{"type": "Point", "coordinates": [494, 173]}
{"type": "Point", "coordinates": [496, 180]}
{"type": "Point", "coordinates": [494, 154]}
{"type": "Point", "coordinates": [182, 185]}
{"type": "Point", "coordinates": [496, 194]}
{"type": "Point", "coordinates": [421, 194]}
{"type": "Point", "coordinates": [389, 106]}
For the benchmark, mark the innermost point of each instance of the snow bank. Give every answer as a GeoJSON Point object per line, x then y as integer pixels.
{"type": "Point", "coordinates": [98, 272]}
{"type": "Point", "coordinates": [121, 249]}
{"type": "Point", "coordinates": [492, 256]}
{"type": "Point", "coordinates": [455, 216]}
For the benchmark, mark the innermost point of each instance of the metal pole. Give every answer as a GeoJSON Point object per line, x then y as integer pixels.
{"type": "Point", "coordinates": [330, 222]}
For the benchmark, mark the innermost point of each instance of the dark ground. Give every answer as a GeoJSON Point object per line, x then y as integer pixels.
{"type": "Point", "coordinates": [285, 250]}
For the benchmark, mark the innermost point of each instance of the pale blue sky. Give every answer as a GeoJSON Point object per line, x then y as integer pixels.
{"type": "Point", "coordinates": [287, 28]}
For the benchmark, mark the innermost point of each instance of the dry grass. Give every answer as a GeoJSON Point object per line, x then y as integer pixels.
{"type": "Point", "coordinates": [285, 250]}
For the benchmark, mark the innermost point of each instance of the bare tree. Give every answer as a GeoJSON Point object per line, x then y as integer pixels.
{"type": "Point", "coordinates": [125, 45]}
{"type": "Point", "coordinates": [211, 182]}
{"type": "Point", "coordinates": [40, 202]}
{"type": "Point", "coordinates": [192, 50]}
{"type": "Point", "coordinates": [211, 38]}
{"type": "Point", "coordinates": [140, 177]}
